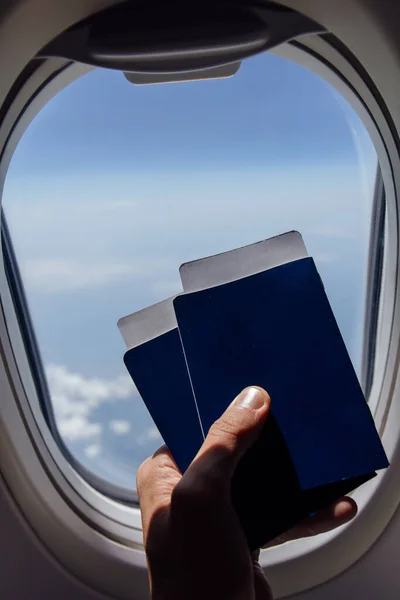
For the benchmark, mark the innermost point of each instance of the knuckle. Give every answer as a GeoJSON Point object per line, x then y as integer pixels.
{"type": "Point", "coordinates": [142, 474]}
{"type": "Point", "coordinates": [153, 474]}
{"type": "Point", "coordinates": [154, 468]}
{"type": "Point", "coordinates": [234, 423]}
{"type": "Point", "coordinates": [223, 437]}
{"type": "Point", "coordinates": [224, 426]}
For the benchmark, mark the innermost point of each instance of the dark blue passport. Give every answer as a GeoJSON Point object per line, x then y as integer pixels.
{"type": "Point", "coordinates": [276, 329]}
{"type": "Point", "coordinates": [159, 371]}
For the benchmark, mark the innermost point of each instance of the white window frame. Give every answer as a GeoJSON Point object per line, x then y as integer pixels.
{"type": "Point", "coordinates": [94, 537]}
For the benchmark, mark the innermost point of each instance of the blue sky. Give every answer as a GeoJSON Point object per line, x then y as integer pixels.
{"type": "Point", "coordinates": [113, 186]}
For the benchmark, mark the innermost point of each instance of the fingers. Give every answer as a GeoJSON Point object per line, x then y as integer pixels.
{"type": "Point", "coordinates": [339, 513]}
{"type": "Point", "coordinates": [231, 435]}
{"type": "Point", "coordinates": [155, 481]}
{"type": "Point", "coordinates": [227, 441]}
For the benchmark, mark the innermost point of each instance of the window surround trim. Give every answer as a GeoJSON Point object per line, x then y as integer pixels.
{"type": "Point", "coordinates": [66, 522]}
{"type": "Point", "coordinates": [61, 77]}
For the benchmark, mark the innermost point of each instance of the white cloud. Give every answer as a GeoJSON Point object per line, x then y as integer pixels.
{"type": "Point", "coordinates": [120, 427]}
{"type": "Point", "coordinates": [148, 436]}
{"type": "Point", "coordinates": [78, 428]}
{"type": "Point", "coordinates": [92, 450]}
{"type": "Point", "coordinates": [54, 275]}
{"type": "Point", "coordinates": [75, 397]}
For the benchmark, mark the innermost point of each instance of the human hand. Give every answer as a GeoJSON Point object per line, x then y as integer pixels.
{"type": "Point", "coordinates": [194, 543]}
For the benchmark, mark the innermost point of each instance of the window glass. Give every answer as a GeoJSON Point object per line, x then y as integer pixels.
{"type": "Point", "coordinates": [113, 186]}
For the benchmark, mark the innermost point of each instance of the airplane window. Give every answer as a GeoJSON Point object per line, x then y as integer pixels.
{"type": "Point", "coordinates": [113, 186]}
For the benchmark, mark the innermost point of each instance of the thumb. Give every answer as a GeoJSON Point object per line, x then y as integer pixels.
{"type": "Point", "coordinates": [232, 434]}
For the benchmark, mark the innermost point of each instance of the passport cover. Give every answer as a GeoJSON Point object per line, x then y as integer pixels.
{"type": "Point", "coordinates": [159, 371]}
{"type": "Point", "coordinates": [276, 329]}
{"type": "Point", "coordinates": [157, 365]}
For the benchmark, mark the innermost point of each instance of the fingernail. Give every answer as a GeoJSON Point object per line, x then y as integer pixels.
{"type": "Point", "coordinates": [252, 397]}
